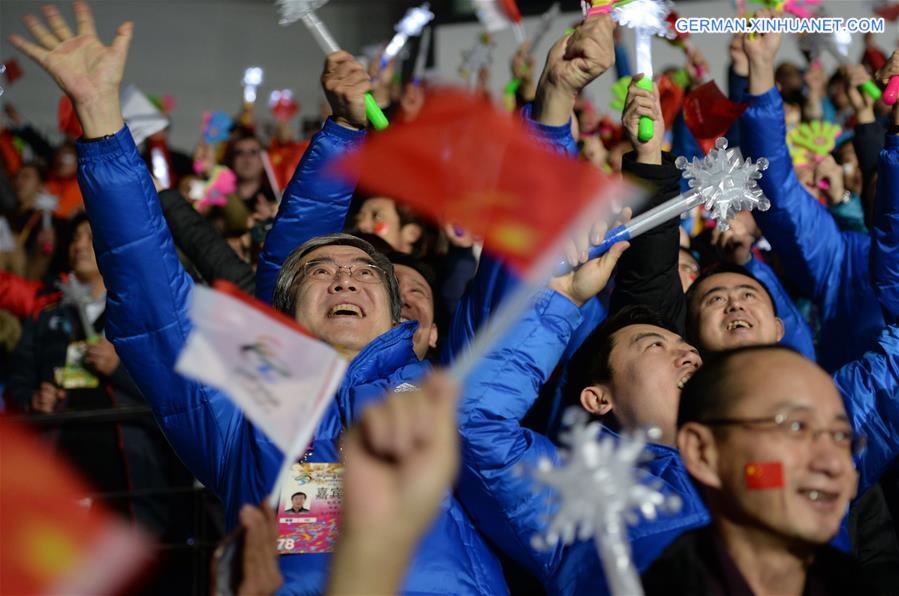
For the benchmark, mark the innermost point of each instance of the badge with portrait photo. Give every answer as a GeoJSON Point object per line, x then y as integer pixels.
{"type": "Point", "coordinates": [309, 508]}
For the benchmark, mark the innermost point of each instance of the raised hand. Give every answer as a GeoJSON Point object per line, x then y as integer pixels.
{"type": "Point", "coordinates": [401, 460]}
{"type": "Point", "coordinates": [345, 83]}
{"type": "Point", "coordinates": [89, 72]}
{"type": "Point", "coordinates": [862, 103]}
{"type": "Point", "coordinates": [591, 278]}
{"type": "Point", "coordinates": [573, 62]}
{"type": "Point", "coordinates": [642, 102]}
{"type": "Point", "coordinates": [736, 243]}
{"type": "Point", "coordinates": [890, 70]}
{"type": "Point", "coordinates": [761, 48]}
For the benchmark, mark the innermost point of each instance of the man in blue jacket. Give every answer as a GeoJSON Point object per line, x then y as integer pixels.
{"type": "Point", "coordinates": [337, 285]}
{"type": "Point", "coordinates": [828, 265]}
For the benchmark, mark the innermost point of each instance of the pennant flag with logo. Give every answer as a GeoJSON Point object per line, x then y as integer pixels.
{"type": "Point", "coordinates": [764, 475]}
{"type": "Point", "coordinates": [54, 541]}
{"type": "Point", "coordinates": [280, 377]}
{"type": "Point", "coordinates": [142, 117]}
{"type": "Point", "coordinates": [709, 114]}
{"type": "Point", "coordinates": [464, 162]}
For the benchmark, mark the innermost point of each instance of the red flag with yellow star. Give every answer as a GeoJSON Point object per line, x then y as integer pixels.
{"type": "Point", "coordinates": [764, 475]}
{"type": "Point", "coordinates": [53, 540]}
{"type": "Point", "coordinates": [464, 162]}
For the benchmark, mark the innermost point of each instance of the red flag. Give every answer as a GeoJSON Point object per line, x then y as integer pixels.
{"type": "Point", "coordinates": [709, 114]}
{"type": "Point", "coordinates": [764, 475]}
{"type": "Point", "coordinates": [511, 8]}
{"type": "Point", "coordinates": [13, 70]}
{"type": "Point", "coordinates": [463, 161]}
{"type": "Point", "coordinates": [671, 97]}
{"type": "Point", "coordinates": [51, 542]}
{"type": "Point", "coordinates": [68, 121]}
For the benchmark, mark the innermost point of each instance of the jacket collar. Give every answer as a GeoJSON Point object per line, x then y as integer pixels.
{"type": "Point", "coordinates": [384, 355]}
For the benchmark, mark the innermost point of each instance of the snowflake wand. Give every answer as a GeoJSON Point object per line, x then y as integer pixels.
{"type": "Point", "coordinates": [599, 493]}
{"type": "Point", "coordinates": [304, 10]}
{"type": "Point", "coordinates": [722, 181]}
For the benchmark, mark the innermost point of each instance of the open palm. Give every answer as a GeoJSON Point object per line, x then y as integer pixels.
{"type": "Point", "coordinates": [85, 69]}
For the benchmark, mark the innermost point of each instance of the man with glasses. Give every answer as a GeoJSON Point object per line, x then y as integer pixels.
{"type": "Point", "coordinates": [773, 461]}
{"type": "Point", "coordinates": [337, 286]}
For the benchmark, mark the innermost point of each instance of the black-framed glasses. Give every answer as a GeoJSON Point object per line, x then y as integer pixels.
{"type": "Point", "coordinates": [794, 426]}
{"type": "Point", "coordinates": [326, 270]}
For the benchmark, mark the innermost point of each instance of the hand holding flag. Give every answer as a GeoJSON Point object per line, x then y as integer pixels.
{"type": "Point", "coordinates": [280, 377]}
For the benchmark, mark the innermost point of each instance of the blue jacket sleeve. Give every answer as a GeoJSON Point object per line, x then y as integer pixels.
{"type": "Point", "coordinates": [497, 396]}
{"type": "Point", "coordinates": [797, 333]}
{"type": "Point", "coordinates": [870, 388]}
{"type": "Point", "coordinates": [801, 231]}
{"type": "Point", "coordinates": [885, 235]}
{"type": "Point", "coordinates": [315, 202]}
{"type": "Point", "coordinates": [558, 138]}
{"type": "Point", "coordinates": [736, 90]}
{"type": "Point", "coordinates": [148, 293]}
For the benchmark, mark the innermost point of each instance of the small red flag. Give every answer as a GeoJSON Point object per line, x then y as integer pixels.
{"type": "Point", "coordinates": [68, 120]}
{"type": "Point", "coordinates": [511, 9]}
{"type": "Point", "coordinates": [13, 71]}
{"type": "Point", "coordinates": [671, 98]}
{"type": "Point", "coordinates": [463, 161]}
{"type": "Point", "coordinates": [52, 543]}
{"type": "Point", "coordinates": [764, 475]}
{"type": "Point", "coordinates": [709, 114]}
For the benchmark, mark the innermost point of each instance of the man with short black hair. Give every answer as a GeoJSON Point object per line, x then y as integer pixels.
{"type": "Point", "coordinates": [774, 463]}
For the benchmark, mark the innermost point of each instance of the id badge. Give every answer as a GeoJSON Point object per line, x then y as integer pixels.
{"type": "Point", "coordinates": [309, 508]}
{"type": "Point", "coordinates": [74, 375]}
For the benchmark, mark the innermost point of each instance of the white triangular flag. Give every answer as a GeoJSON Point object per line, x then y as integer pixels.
{"type": "Point", "coordinates": [143, 118]}
{"type": "Point", "coordinates": [282, 379]}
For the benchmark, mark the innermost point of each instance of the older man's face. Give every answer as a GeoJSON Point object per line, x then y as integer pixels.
{"type": "Point", "coordinates": [342, 297]}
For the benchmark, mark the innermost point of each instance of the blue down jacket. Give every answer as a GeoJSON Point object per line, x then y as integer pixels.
{"type": "Point", "coordinates": [827, 265]}
{"type": "Point", "coordinates": [147, 321]}
{"type": "Point", "coordinates": [885, 232]}
{"type": "Point", "coordinates": [497, 449]}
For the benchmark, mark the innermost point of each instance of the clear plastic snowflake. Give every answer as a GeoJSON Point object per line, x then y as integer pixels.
{"type": "Point", "coordinates": [726, 182]}
{"type": "Point", "coordinates": [599, 491]}
{"type": "Point", "coordinates": [294, 10]}
{"type": "Point", "coordinates": [646, 15]}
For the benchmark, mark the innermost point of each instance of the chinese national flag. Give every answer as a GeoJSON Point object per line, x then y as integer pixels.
{"type": "Point", "coordinates": [764, 475]}
{"type": "Point", "coordinates": [709, 114]}
{"type": "Point", "coordinates": [464, 162]}
{"type": "Point", "coordinates": [52, 543]}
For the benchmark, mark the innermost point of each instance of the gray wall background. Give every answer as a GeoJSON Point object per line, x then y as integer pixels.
{"type": "Point", "coordinates": [197, 50]}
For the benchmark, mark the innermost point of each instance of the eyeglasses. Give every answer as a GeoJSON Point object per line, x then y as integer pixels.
{"type": "Point", "coordinates": [793, 426]}
{"type": "Point", "coordinates": [246, 152]}
{"type": "Point", "coordinates": [327, 271]}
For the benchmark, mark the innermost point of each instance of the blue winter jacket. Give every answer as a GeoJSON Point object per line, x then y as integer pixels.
{"type": "Point", "coordinates": [496, 449]}
{"type": "Point", "coordinates": [147, 321]}
{"type": "Point", "coordinates": [827, 265]}
{"type": "Point", "coordinates": [885, 232]}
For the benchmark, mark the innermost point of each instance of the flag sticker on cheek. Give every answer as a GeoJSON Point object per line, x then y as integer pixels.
{"type": "Point", "coordinates": [380, 228]}
{"type": "Point", "coordinates": [764, 475]}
